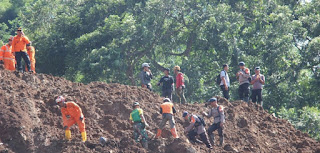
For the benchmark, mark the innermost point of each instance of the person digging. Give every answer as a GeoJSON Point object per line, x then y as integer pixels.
{"type": "Point", "coordinates": [71, 114]}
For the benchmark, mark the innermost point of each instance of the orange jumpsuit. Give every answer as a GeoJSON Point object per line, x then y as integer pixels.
{"type": "Point", "coordinates": [74, 111]}
{"type": "Point", "coordinates": [8, 58]}
{"type": "Point", "coordinates": [31, 53]}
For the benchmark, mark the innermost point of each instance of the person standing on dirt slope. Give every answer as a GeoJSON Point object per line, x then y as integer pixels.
{"type": "Point", "coordinates": [244, 81]}
{"type": "Point", "coordinates": [139, 124]}
{"type": "Point", "coordinates": [167, 84]}
{"type": "Point", "coordinates": [217, 113]}
{"type": "Point", "coordinates": [196, 127]}
{"type": "Point", "coordinates": [146, 76]}
{"type": "Point", "coordinates": [7, 56]}
{"type": "Point", "coordinates": [257, 82]}
{"type": "Point", "coordinates": [225, 81]}
{"type": "Point", "coordinates": [167, 110]}
{"type": "Point", "coordinates": [31, 53]}
{"type": "Point", "coordinates": [19, 45]}
{"type": "Point", "coordinates": [71, 114]}
{"type": "Point", "coordinates": [180, 85]}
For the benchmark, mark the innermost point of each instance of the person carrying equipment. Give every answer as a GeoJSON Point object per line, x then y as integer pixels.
{"type": "Point", "coordinates": [139, 125]}
{"type": "Point", "coordinates": [180, 85]}
{"type": "Point", "coordinates": [19, 44]}
{"type": "Point", "coordinates": [31, 53]}
{"type": "Point", "coordinates": [244, 82]}
{"type": "Point", "coordinates": [219, 119]}
{"type": "Point", "coordinates": [7, 56]}
{"type": "Point", "coordinates": [196, 127]}
{"type": "Point", "coordinates": [167, 110]}
{"type": "Point", "coordinates": [146, 76]}
{"type": "Point", "coordinates": [71, 114]}
{"type": "Point", "coordinates": [167, 84]}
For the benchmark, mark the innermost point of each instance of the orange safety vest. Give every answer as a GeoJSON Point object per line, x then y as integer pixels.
{"type": "Point", "coordinates": [167, 108]}
{"type": "Point", "coordinates": [31, 53]}
{"type": "Point", "coordinates": [20, 44]}
{"type": "Point", "coordinates": [1, 53]}
{"type": "Point", "coordinates": [7, 52]}
{"type": "Point", "coordinates": [8, 57]}
{"type": "Point", "coordinates": [71, 109]}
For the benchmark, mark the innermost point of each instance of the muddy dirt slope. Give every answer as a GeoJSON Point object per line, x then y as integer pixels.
{"type": "Point", "coordinates": [31, 122]}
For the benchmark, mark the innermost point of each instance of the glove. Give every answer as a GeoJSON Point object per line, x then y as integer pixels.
{"type": "Point", "coordinates": [81, 118]}
{"type": "Point", "coordinates": [65, 127]}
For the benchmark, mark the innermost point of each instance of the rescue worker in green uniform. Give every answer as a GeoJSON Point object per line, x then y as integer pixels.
{"type": "Point", "coordinates": [139, 125]}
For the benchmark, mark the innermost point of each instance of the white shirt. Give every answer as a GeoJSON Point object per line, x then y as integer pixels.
{"type": "Point", "coordinates": [226, 77]}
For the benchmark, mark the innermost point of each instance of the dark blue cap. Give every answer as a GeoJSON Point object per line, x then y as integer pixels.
{"type": "Point", "coordinates": [241, 64]}
{"type": "Point", "coordinates": [212, 100]}
{"type": "Point", "coordinates": [185, 113]}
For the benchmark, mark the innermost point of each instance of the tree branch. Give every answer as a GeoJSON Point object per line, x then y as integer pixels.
{"type": "Point", "coordinates": [189, 47]}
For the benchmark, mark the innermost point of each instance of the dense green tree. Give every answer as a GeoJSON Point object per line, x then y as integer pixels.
{"type": "Point", "coordinates": [108, 40]}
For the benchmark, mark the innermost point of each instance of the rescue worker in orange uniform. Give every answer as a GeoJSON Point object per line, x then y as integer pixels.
{"type": "Point", "coordinates": [71, 114]}
{"type": "Point", "coordinates": [31, 53]}
{"type": "Point", "coordinates": [19, 47]}
{"type": "Point", "coordinates": [7, 56]}
{"type": "Point", "coordinates": [167, 110]}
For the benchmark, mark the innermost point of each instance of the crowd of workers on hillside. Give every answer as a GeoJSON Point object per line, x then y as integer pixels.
{"type": "Point", "coordinates": [197, 123]}
{"type": "Point", "coordinates": [72, 113]}
{"type": "Point", "coordinates": [18, 47]}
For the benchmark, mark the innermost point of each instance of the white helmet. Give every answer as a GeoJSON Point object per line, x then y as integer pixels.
{"type": "Point", "coordinates": [145, 65]}
{"type": "Point", "coordinates": [60, 99]}
{"type": "Point", "coordinates": [166, 100]}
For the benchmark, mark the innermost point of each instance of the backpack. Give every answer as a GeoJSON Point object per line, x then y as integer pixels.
{"type": "Point", "coordinates": [218, 80]}
{"type": "Point", "coordinates": [202, 121]}
{"type": "Point", "coordinates": [249, 79]}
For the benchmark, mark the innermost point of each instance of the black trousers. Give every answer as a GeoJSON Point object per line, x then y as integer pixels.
{"type": "Point", "coordinates": [26, 59]}
{"type": "Point", "coordinates": [244, 91]}
{"type": "Point", "coordinates": [256, 93]}
{"type": "Point", "coordinates": [167, 93]}
{"type": "Point", "coordinates": [214, 127]}
{"type": "Point", "coordinates": [192, 137]}
{"type": "Point", "coordinates": [225, 92]}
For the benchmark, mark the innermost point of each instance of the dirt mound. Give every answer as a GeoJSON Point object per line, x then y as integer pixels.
{"type": "Point", "coordinates": [31, 122]}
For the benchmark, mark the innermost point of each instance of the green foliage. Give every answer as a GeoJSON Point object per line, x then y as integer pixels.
{"type": "Point", "coordinates": [306, 119]}
{"type": "Point", "coordinates": [108, 40]}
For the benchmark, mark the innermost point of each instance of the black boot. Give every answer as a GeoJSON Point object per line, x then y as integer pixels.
{"type": "Point", "coordinates": [205, 140]}
{"type": "Point", "coordinates": [221, 141]}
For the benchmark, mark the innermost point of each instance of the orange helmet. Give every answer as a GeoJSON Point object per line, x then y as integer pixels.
{"type": "Point", "coordinates": [177, 68]}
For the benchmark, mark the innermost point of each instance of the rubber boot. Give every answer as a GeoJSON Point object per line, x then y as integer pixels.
{"type": "Point", "coordinates": [221, 141]}
{"type": "Point", "coordinates": [158, 133]}
{"type": "Point", "coordinates": [68, 135]}
{"type": "Point", "coordinates": [174, 133]}
{"type": "Point", "coordinates": [84, 136]}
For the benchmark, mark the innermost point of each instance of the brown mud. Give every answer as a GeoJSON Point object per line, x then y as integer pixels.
{"type": "Point", "coordinates": [31, 122]}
